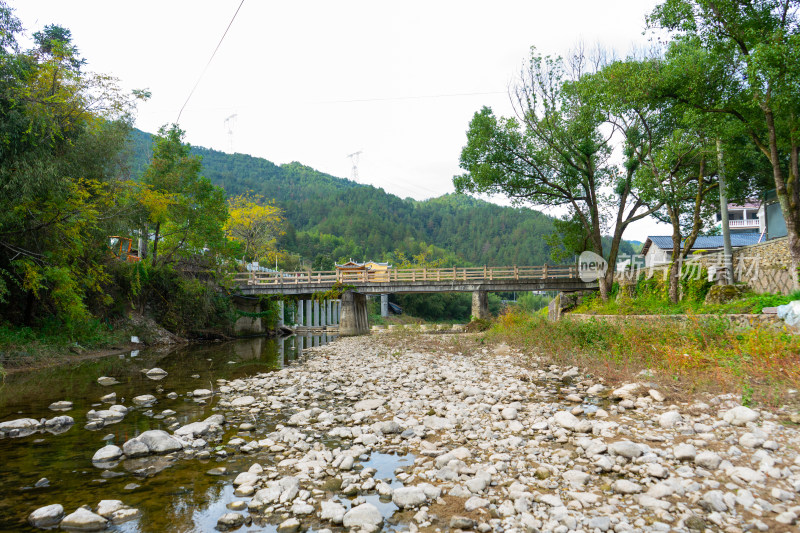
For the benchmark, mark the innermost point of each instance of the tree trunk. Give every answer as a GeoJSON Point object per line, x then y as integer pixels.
{"type": "Point", "coordinates": [155, 242]}
{"type": "Point", "coordinates": [675, 265]}
{"type": "Point", "coordinates": [788, 195]}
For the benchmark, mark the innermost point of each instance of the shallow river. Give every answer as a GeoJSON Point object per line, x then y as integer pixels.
{"type": "Point", "coordinates": [183, 497]}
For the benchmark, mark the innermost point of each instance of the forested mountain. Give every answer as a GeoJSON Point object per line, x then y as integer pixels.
{"type": "Point", "coordinates": [333, 218]}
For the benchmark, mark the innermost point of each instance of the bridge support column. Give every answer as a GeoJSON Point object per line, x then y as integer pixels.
{"type": "Point", "coordinates": [480, 305]}
{"type": "Point", "coordinates": [308, 314]}
{"type": "Point", "coordinates": [353, 320]}
{"type": "Point", "coordinates": [280, 314]}
{"type": "Point", "coordinates": [384, 305]}
{"type": "Point", "coordinates": [246, 325]}
{"type": "Point", "coordinates": [328, 312]}
{"type": "Point", "coordinates": [316, 314]}
{"type": "Point", "coordinates": [298, 316]}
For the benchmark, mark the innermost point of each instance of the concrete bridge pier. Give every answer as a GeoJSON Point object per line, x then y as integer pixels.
{"type": "Point", "coordinates": [384, 305]}
{"type": "Point", "coordinates": [353, 320]}
{"type": "Point", "coordinates": [280, 314]}
{"type": "Point", "coordinates": [328, 308]}
{"type": "Point", "coordinates": [480, 305]}
{"type": "Point", "coordinates": [246, 325]}
{"type": "Point", "coordinates": [298, 317]}
{"type": "Point", "coordinates": [309, 315]}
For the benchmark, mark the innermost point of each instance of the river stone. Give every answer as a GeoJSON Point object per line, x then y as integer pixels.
{"type": "Point", "coordinates": [125, 514]}
{"type": "Point", "coordinates": [461, 522]}
{"type": "Point", "coordinates": [154, 441]}
{"type": "Point", "coordinates": [741, 415]}
{"type": "Point", "coordinates": [59, 422]}
{"type": "Point", "coordinates": [196, 429]}
{"type": "Point", "coordinates": [475, 502]}
{"type": "Point", "coordinates": [201, 393]}
{"type": "Point", "coordinates": [365, 514]}
{"type": "Point", "coordinates": [108, 507]}
{"type": "Point", "coordinates": [107, 454]}
{"type": "Point", "coordinates": [109, 398]}
{"type": "Point", "coordinates": [289, 526]}
{"type": "Point", "coordinates": [369, 404]}
{"type": "Point", "coordinates": [623, 486]}
{"type": "Point", "coordinates": [105, 381]}
{"type": "Point", "coordinates": [707, 460]}
{"type": "Point", "coordinates": [47, 516]}
{"type": "Point", "coordinates": [684, 452]}
{"type": "Point", "coordinates": [156, 373]}
{"type": "Point", "coordinates": [625, 448]}
{"type": "Point", "coordinates": [245, 478]}
{"type": "Point", "coordinates": [333, 511]}
{"type": "Point", "coordinates": [669, 419]}
{"type": "Point", "coordinates": [243, 401]}
{"type": "Point", "coordinates": [437, 422]}
{"type": "Point", "coordinates": [408, 497]}
{"type": "Point", "coordinates": [61, 406]}
{"type": "Point", "coordinates": [20, 423]}
{"type": "Point", "coordinates": [566, 420]}
{"type": "Point", "coordinates": [230, 521]}
{"type": "Point", "coordinates": [509, 413]}
{"type": "Point", "coordinates": [84, 520]}
{"type": "Point", "coordinates": [144, 399]}
{"type": "Point", "coordinates": [626, 392]}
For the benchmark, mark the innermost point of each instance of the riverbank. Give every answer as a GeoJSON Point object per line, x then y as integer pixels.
{"type": "Point", "coordinates": [23, 349]}
{"type": "Point", "coordinates": [506, 441]}
{"type": "Point", "coordinates": [408, 431]}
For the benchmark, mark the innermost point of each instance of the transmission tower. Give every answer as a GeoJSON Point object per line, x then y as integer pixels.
{"type": "Point", "coordinates": [230, 123]}
{"type": "Point", "coordinates": [354, 160]}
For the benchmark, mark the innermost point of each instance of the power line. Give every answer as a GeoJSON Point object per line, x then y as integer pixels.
{"type": "Point", "coordinates": [209, 61]}
{"type": "Point", "coordinates": [411, 97]}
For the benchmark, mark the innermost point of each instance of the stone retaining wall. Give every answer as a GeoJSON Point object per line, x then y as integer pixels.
{"type": "Point", "coordinates": [739, 320]}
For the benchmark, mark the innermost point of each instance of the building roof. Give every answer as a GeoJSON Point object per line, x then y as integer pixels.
{"type": "Point", "coordinates": [752, 204]}
{"type": "Point", "coordinates": [711, 242]}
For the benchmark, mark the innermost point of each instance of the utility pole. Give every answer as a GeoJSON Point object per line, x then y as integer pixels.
{"type": "Point", "coordinates": [230, 122]}
{"type": "Point", "coordinates": [723, 208]}
{"type": "Point", "coordinates": [354, 160]}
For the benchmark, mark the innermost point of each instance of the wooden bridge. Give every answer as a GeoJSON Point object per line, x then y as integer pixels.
{"type": "Point", "coordinates": [397, 280]}
{"type": "Point", "coordinates": [351, 312]}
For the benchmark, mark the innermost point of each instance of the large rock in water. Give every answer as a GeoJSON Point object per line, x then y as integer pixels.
{"type": "Point", "coordinates": [84, 520]}
{"type": "Point", "coordinates": [47, 516]}
{"type": "Point", "coordinates": [154, 441]}
{"type": "Point", "coordinates": [196, 429]}
{"type": "Point", "coordinates": [20, 427]}
{"type": "Point", "coordinates": [408, 497]}
{"type": "Point", "coordinates": [107, 453]}
{"type": "Point", "coordinates": [365, 514]}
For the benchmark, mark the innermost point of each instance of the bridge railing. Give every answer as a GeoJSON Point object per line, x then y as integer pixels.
{"type": "Point", "coordinates": [514, 273]}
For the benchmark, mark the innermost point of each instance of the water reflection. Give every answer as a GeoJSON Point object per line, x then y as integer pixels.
{"type": "Point", "coordinates": [183, 499]}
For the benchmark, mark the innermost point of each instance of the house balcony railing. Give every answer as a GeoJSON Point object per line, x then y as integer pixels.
{"type": "Point", "coordinates": [748, 223]}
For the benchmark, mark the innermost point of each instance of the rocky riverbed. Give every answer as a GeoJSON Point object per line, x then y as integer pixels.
{"type": "Point", "coordinates": [495, 440]}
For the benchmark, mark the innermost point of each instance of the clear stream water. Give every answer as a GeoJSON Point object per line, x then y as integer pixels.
{"type": "Point", "coordinates": [181, 498]}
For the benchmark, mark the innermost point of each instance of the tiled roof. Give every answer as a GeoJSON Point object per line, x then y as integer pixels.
{"type": "Point", "coordinates": [704, 242]}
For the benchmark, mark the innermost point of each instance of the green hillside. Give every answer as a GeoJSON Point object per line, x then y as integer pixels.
{"type": "Point", "coordinates": [333, 218]}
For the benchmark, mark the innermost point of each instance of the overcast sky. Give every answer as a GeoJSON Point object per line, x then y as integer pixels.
{"type": "Point", "coordinates": [314, 81]}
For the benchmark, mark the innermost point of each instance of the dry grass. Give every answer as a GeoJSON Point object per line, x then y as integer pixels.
{"type": "Point", "coordinates": [698, 355]}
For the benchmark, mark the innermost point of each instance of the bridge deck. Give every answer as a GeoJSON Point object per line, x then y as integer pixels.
{"type": "Point", "coordinates": [397, 280]}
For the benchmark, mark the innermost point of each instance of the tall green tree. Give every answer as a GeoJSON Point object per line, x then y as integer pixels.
{"type": "Point", "coordinates": [741, 59]}
{"type": "Point", "coordinates": [186, 211]}
{"type": "Point", "coordinates": [62, 131]}
{"type": "Point", "coordinates": [554, 153]}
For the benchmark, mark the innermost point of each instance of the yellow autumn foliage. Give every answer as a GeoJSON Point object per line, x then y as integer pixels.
{"type": "Point", "coordinates": [256, 224]}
